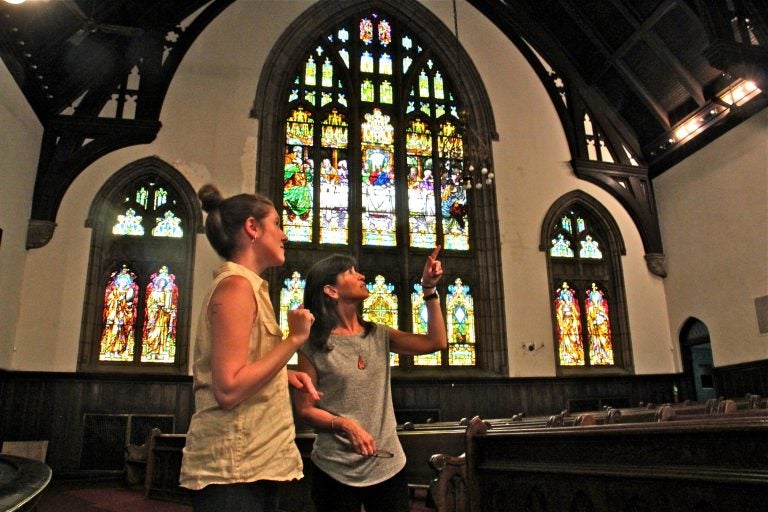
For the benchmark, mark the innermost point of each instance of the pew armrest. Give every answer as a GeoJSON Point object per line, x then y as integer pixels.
{"type": "Point", "coordinates": [449, 488]}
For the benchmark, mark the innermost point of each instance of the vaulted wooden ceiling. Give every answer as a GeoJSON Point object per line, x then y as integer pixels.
{"type": "Point", "coordinates": [640, 68]}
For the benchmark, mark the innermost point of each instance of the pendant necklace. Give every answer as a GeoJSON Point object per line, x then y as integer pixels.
{"type": "Point", "coordinates": [360, 359]}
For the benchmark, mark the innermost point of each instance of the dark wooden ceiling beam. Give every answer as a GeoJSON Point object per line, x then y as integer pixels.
{"type": "Point", "coordinates": [644, 31]}
{"type": "Point", "coordinates": [611, 58]}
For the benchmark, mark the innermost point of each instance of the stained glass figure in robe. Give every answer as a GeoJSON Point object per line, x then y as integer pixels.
{"type": "Point", "coordinates": [381, 307]}
{"type": "Point", "coordinates": [420, 321]}
{"type": "Point", "coordinates": [334, 180]}
{"type": "Point", "coordinates": [378, 180]}
{"type": "Point", "coordinates": [460, 309]}
{"type": "Point", "coordinates": [421, 187]}
{"type": "Point", "coordinates": [119, 316]}
{"type": "Point", "coordinates": [598, 327]}
{"type": "Point", "coordinates": [298, 177]}
{"type": "Point", "coordinates": [453, 196]}
{"type": "Point", "coordinates": [159, 333]}
{"type": "Point", "coordinates": [568, 320]}
{"type": "Point", "coordinates": [291, 297]}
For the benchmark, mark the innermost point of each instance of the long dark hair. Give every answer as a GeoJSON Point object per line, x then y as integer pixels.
{"type": "Point", "coordinates": [226, 216]}
{"type": "Point", "coordinates": [322, 306]}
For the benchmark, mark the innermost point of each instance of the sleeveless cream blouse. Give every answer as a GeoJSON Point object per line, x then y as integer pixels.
{"type": "Point", "coordinates": [255, 440]}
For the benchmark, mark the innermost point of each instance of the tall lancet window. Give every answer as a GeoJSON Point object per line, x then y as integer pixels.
{"type": "Point", "coordinates": [583, 249]}
{"type": "Point", "coordinates": [144, 221]}
{"type": "Point", "coordinates": [367, 159]}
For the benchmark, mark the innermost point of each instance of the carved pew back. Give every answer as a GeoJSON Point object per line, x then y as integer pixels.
{"type": "Point", "coordinates": [720, 463]}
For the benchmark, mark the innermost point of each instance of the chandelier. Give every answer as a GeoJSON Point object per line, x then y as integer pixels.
{"type": "Point", "coordinates": [474, 150]}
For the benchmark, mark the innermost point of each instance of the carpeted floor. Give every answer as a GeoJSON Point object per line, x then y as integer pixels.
{"type": "Point", "coordinates": [116, 496]}
{"type": "Point", "coordinates": [103, 496]}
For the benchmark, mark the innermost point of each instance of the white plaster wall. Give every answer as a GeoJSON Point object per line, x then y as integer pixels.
{"type": "Point", "coordinates": [19, 147]}
{"type": "Point", "coordinates": [207, 134]}
{"type": "Point", "coordinates": [714, 211]}
{"type": "Point", "coordinates": [532, 172]}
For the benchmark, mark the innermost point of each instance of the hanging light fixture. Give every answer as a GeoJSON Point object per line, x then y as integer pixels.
{"type": "Point", "coordinates": [476, 151]}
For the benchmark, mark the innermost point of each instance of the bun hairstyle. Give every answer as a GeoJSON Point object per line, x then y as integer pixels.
{"type": "Point", "coordinates": [226, 217]}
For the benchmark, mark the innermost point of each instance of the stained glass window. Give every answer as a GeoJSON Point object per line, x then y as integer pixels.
{"type": "Point", "coordinates": [129, 224]}
{"type": "Point", "coordinates": [121, 298]}
{"type": "Point", "coordinates": [584, 288]}
{"type": "Point", "coordinates": [453, 196]}
{"type": "Point", "coordinates": [384, 68]}
{"type": "Point", "coordinates": [598, 327]}
{"type": "Point", "coordinates": [381, 307]}
{"type": "Point", "coordinates": [378, 179]}
{"type": "Point", "coordinates": [564, 238]}
{"type": "Point", "coordinates": [298, 177]}
{"type": "Point", "coordinates": [421, 186]}
{"type": "Point", "coordinates": [568, 317]}
{"type": "Point", "coordinates": [160, 312]}
{"type": "Point", "coordinates": [460, 310]}
{"type": "Point", "coordinates": [291, 297]}
{"type": "Point", "coordinates": [130, 220]}
{"type": "Point", "coordinates": [589, 248]}
{"type": "Point", "coordinates": [138, 292]}
{"type": "Point", "coordinates": [168, 225]}
{"type": "Point", "coordinates": [334, 181]}
{"type": "Point", "coordinates": [420, 320]}
{"type": "Point", "coordinates": [373, 118]}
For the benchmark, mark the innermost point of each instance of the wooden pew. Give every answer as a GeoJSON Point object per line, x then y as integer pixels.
{"type": "Point", "coordinates": [419, 444]}
{"type": "Point", "coordinates": [164, 467]}
{"type": "Point", "coordinates": [715, 463]}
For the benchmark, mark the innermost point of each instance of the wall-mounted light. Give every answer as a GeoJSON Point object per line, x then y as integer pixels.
{"type": "Point", "coordinates": [15, 2]}
{"type": "Point", "coordinates": [737, 94]}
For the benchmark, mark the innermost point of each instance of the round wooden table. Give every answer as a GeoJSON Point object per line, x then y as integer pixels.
{"type": "Point", "coordinates": [21, 482]}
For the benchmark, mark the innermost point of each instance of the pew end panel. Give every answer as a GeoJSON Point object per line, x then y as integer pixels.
{"type": "Point", "coordinates": [449, 488]}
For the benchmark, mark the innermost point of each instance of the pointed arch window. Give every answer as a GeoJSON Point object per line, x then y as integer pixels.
{"type": "Point", "coordinates": [144, 221]}
{"type": "Point", "coordinates": [368, 130]}
{"type": "Point", "coordinates": [583, 248]}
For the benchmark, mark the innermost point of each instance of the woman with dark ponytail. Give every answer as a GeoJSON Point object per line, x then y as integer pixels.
{"type": "Point", "coordinates": [240, 442]}
{"type": "Point", "coordinates": [357, 454]}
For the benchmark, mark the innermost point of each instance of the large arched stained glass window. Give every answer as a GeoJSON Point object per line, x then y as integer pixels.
{"type": "Point", "coordinates": [362, 150]}
{"type": "Point", "coordinates": [584, 264]}
{"type": "Point", "coordinates": [144, 222]}
{"type": "Point", "coordinates": [320, 140]}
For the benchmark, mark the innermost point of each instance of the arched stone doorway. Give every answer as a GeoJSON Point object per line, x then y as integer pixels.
{"type": "Point", "coordinates": [696, 353]}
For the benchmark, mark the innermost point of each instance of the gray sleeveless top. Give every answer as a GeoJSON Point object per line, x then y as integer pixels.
{"type": "Point", "coordinates": [363, 395]}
